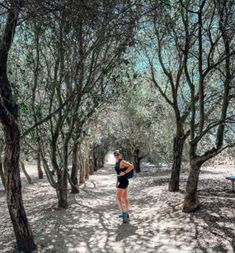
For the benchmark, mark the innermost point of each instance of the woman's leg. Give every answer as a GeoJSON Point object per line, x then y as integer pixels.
{"type": "Point", "coordinates": [125, 200]}
{"type": "Point", "coordinates": [118, 202]}
{"type": "Point", "coordinates": [119, 193]}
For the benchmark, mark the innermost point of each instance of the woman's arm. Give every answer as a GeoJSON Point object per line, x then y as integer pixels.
{"type": "Point", "coordinates": [128, 165]}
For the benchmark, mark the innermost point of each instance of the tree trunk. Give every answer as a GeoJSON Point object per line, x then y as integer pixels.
{"type": "Point", "coordinates": [82, 173]}
{"type": "Point", "coordinates": [137, 160]}
{"type": "Point", "coordinates": [48, 171]}
{"type": "Point", "coordinates": [95, 162]}
{"type": "Point", "coordinates": [191, 202]}
{"type": "Point", "coordinates": [178, 147]}
{"type": "Point", "coordinates": [2, 175]}
{"type": "Point", "coordinates": [40, 172]}
{"type": "Point", "coordinates": [9, 119]}
{"type": "Point", "coordinates": [87, 168]}
{"type": "Point", "coordinates": [25, 172]}
{"type": "Point", "coordinates": [62, 175]}
{"type": "Point", "coordinates": [91, 166]}
{"type": "Point", "coordinates": [61, 189]}
{"type": "Point", "coordinates": [21, 226]}
{"type": "Point", "coordinates": [74, 171]}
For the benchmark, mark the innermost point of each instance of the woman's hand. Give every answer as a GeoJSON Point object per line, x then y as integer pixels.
{"type": "Point", "coordinates": [121, 174]}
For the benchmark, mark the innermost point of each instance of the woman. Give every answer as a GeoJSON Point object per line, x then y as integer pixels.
{"type": "Point", "coordinates": [122, 168]}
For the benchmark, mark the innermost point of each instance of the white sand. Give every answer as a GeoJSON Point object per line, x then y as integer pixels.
{"type": "Point", "coordinates": [157, 224]}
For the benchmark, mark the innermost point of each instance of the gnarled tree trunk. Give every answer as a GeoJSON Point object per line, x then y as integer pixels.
{"type": "Point", "coordinates": [62, 173]}
{"type": "Point", "coordinates": [191, 202]}
{"type": "Point", "coordinates": [178, 147]}
{"type": "Point", "coordinates": [62, 180]}
{"type": "Point", "coordinates": [9, 119]}
{"type": "Point", "coordinates": [21, 226]}
{"type": "Point", "coordinates": [61, 190]}
{"type": "Point", "coordinates": [74, 171]}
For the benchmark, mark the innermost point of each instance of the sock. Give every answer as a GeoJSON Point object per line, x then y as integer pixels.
{"type": "Point", "coordinates": [124, 215]}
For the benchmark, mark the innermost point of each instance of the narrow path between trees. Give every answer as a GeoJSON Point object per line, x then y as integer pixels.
{"type": "Point", "coordinates": [157, 224]}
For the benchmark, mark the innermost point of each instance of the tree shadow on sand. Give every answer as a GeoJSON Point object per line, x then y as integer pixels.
{"type": "Point", "coordinates": [157, 223]}
{"type": "Point", "coordinates": [124, 231]}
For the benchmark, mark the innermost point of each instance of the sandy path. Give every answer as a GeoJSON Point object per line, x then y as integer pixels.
{"type": "Point", "coordinates": [91, 222]}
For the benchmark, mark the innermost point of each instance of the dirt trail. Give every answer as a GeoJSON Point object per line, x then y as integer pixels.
{"type": "Point", "coordinates": [157, 224]}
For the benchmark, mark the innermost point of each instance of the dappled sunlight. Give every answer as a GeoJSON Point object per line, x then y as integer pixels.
{"type": "Point", "coordinates": [88, 87]}
{"type": "Point", "coordinates": [157, 223]}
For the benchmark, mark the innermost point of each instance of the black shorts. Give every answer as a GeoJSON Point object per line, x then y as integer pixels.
{"type": "Point", "coordinates": [122, 183]}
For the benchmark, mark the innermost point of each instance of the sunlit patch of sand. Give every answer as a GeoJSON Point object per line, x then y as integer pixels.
{"type": "Point", "coordinates": [157, 224]}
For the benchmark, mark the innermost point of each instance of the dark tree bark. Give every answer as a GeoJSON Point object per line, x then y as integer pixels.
{"type": "Point", "coordinates": [137, 160]}
{"type": "Point", "coordinates": [91, 166]}
{"type": "Point", "coordinates": [100, 162]}
{"type": "Point", "coordinates": [9, 118]}
{"type": "Point", "coordinates": [39, 167]}
{"type": "Point", "coordinates": [191, 202]}
{"type": "Point", "coordinates": [62, 177]}
{"type": "Point", "coordinates": [95, 164]}
{"type": "Point", "coordinates": [94, 157]}
{"type": "Point", "coordinates": [21, 226]}
{"type": "Point", "coordinates": [74, 171]}
{"type": "Point", "coordinates": [87, 168]}
{"type": "Point", "coordinates": [178, 147]}
{"type": "Point", "coordinates": [176, 166]}
{"type": "Point", "coordinates": [61, 190]}
{"type": "Point", "coordinates": [2, 175]}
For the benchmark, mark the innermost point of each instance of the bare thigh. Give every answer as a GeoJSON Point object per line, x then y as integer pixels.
{"type": "Point", "coordinates": [120, 193]}
{"type": "Point", "coordinates": [125, 194]}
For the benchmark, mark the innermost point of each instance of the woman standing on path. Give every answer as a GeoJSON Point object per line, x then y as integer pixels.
{"type": "Point", "coordinates": [122, 168]}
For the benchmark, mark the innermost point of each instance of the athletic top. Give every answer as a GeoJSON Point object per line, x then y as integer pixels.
{"type": "Point", "coordinates": [117, 167]}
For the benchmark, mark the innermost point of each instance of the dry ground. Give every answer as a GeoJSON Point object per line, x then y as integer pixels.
{"type": "Point", "coordinates": [157, 224]}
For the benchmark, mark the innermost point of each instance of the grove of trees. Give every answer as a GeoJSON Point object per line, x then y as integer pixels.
{"type": "Point", "coordinates": [80, 78]}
